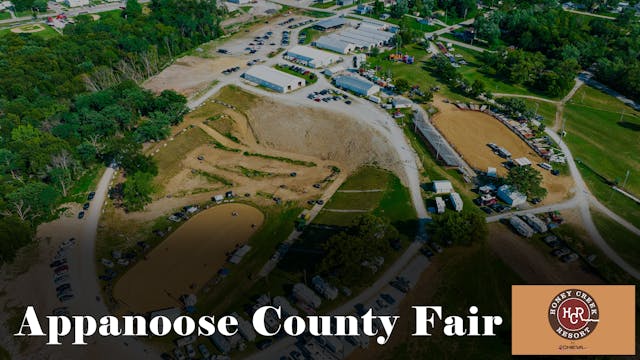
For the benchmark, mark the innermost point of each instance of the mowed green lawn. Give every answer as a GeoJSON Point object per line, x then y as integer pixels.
{"type": "Point", "coordinates": [626, 243]}
{"type": "Point", "coordinates": [604, 133]}
{"type": "Point", "coordinates": [393, 201]}
{"type": "Point", "coordinates": [47, 33]}
{"type": "Point", "coordinates": [546, 109]}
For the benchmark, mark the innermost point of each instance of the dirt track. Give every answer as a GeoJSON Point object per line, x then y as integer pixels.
{"type": "Point", "coordinates": [470, 132]}
{"type": "Point", "coordinates": [187, 259]}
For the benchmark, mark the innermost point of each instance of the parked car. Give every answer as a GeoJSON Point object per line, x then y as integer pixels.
{"type": "Point", "coordinates": [81, 215]}
{"type": "Point", "coordinates": [58, 263]}
{"type": "Point", "coordinates": [264, 344]}
{"type": "Point", "coordinates": [65, 298]}
{"type": "Point", "coordinates": [191, 352]}
{"type": "Point", "coordinates": [204, 351]}
{"type": "Point", "coordinates": [86, 206]}
{"type": "Point", "coordinates": [177, 352]}
{"type": "Point", "coordinates": [63, 287]}
{"type": "Point", "coordinates": [91, 195]}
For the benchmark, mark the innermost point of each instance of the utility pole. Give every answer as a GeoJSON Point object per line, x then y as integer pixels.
{"type": "Point", "coordinates": [626, 178]}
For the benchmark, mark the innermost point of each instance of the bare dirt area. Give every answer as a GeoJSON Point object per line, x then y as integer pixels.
{"type": "Point", "coordinates": [29, 280]}
{"type": "Point", "coordinates": [314, 132]}
{"type": "Point", "coordinates": [27, 29]}
{"type": "Point", "coordinates": [187, 259]}
{"type": "Point", "coordinates": [529, 260]}
{"type": "Point", "coordinates": [469, 132]}
{"type": "Point", "coordinates": [190, 74]}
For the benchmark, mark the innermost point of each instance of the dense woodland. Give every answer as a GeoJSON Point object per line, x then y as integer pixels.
{"type": "Point", "coordinates": [551, 45]}
{"type": "Point", "coordinates": [72, 102]}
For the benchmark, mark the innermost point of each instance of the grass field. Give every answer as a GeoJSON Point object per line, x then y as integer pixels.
{"type": "Point", "coordinates": [234, 95]}
{"type": "Point", "coordinates": [169, 158]}
{"type": "Point", "coordinates": [623, 241]}
{"type": "Point", "coordinates": [324, 5]}
{"type": "Point", "coordinates": [317, 13]}
{"type": "Point", "coordinates": [603, 133]}
{"type": "Point", "coordinates": [458, 277]}
{"type": "Point", "coordinates": [312, 34]}
{"type": "Point", "coordinates": [545, 109]}
{"type": "Point", "coordinates": [5, 15]}
{"type": "Point", "coordinates": [46, 33]}
{"type": "Point", "coordinates": [392, 201]}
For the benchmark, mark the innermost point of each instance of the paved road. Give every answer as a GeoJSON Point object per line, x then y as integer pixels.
{"type": "Point", "coordinates": [83, 270]}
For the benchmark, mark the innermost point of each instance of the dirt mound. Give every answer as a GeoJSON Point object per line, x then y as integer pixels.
{"type": "Point", "coordinates": [319, 133]}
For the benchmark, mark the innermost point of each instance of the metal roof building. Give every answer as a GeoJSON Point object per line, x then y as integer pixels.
{"type": "Point", "coordinates": [311, 57]}
{"type": "Point", "coordinates": [359, 86]}
{"type": "Point", "coordinates": [273, 79]}
{"type": "Point", "coordinates": [514, 198]}
{"type": "Point", "coordinates": [350, 39]}
{"type": "Point", "coordinates": [334, 43]}
{"type": "Point", "coordinates": [332, 23]}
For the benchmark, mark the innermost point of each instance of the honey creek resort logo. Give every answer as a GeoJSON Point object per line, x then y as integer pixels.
{"type": "Point", "coordinates": [573, 314]}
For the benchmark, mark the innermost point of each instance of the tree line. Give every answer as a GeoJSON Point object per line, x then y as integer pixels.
{"type": "Point", "coordinates": [541, 46]}
{"type": "Point", "coordinates": [71, 102]}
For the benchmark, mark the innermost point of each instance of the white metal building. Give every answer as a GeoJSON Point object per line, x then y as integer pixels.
{"type": "Point", "coordinates": [76, 3]}
{"type": "Point", "coordinates": [334, 43]}
{"type": "Point", "coordinates": [456, 201]}
{"type": "Point", "coordinates": [350, 39]}
{"type": "Point", "coordinates": [358, 85]}
{"type": "Point", "coordinates": [311, 57]}
{"type": "Point", "coordinates": [273, 79]}
{"type": "Point", "coordinates": [511, 196]}
{"type": "Point", "coordinates": [442, 186]}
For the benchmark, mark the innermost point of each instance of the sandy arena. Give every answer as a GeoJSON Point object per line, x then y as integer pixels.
{"type": "Point", "coordinates": [187, 259]}
{"type": "Point", "coordinates": [470, 132]}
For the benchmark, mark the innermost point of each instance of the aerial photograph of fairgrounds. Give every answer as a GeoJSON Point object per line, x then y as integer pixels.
{"type": "Point", "coordinates": [172, 157]}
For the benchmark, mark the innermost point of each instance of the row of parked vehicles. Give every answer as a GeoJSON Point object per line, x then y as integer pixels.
{"type": "Point", "coordinates": [328, 95]}
{"type": "Point", "coordinates": [60, 268]}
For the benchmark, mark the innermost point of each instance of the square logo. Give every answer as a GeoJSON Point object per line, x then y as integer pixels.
{"type": "Point", "coordinates": [573, 320]}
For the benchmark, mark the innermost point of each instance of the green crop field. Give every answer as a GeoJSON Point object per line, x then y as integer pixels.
{"type": "Point", "coordinates": [604, 134]}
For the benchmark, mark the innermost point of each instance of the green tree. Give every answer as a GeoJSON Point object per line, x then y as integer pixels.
{"type": "Point", "coordinates": [526, 180]}
{"type": "Point", "coordinates": [137, 191]}
{"type": "Point", "coordinates": [133, 9]}
{"type": "Point", "coordinates": [402, 85]}
{"type": "Point", "coordinates": [31, 201]}
{"type": "Point", "coordinates": [461, 228]}
{"type": "Point", "coordinates": [14, 234]}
